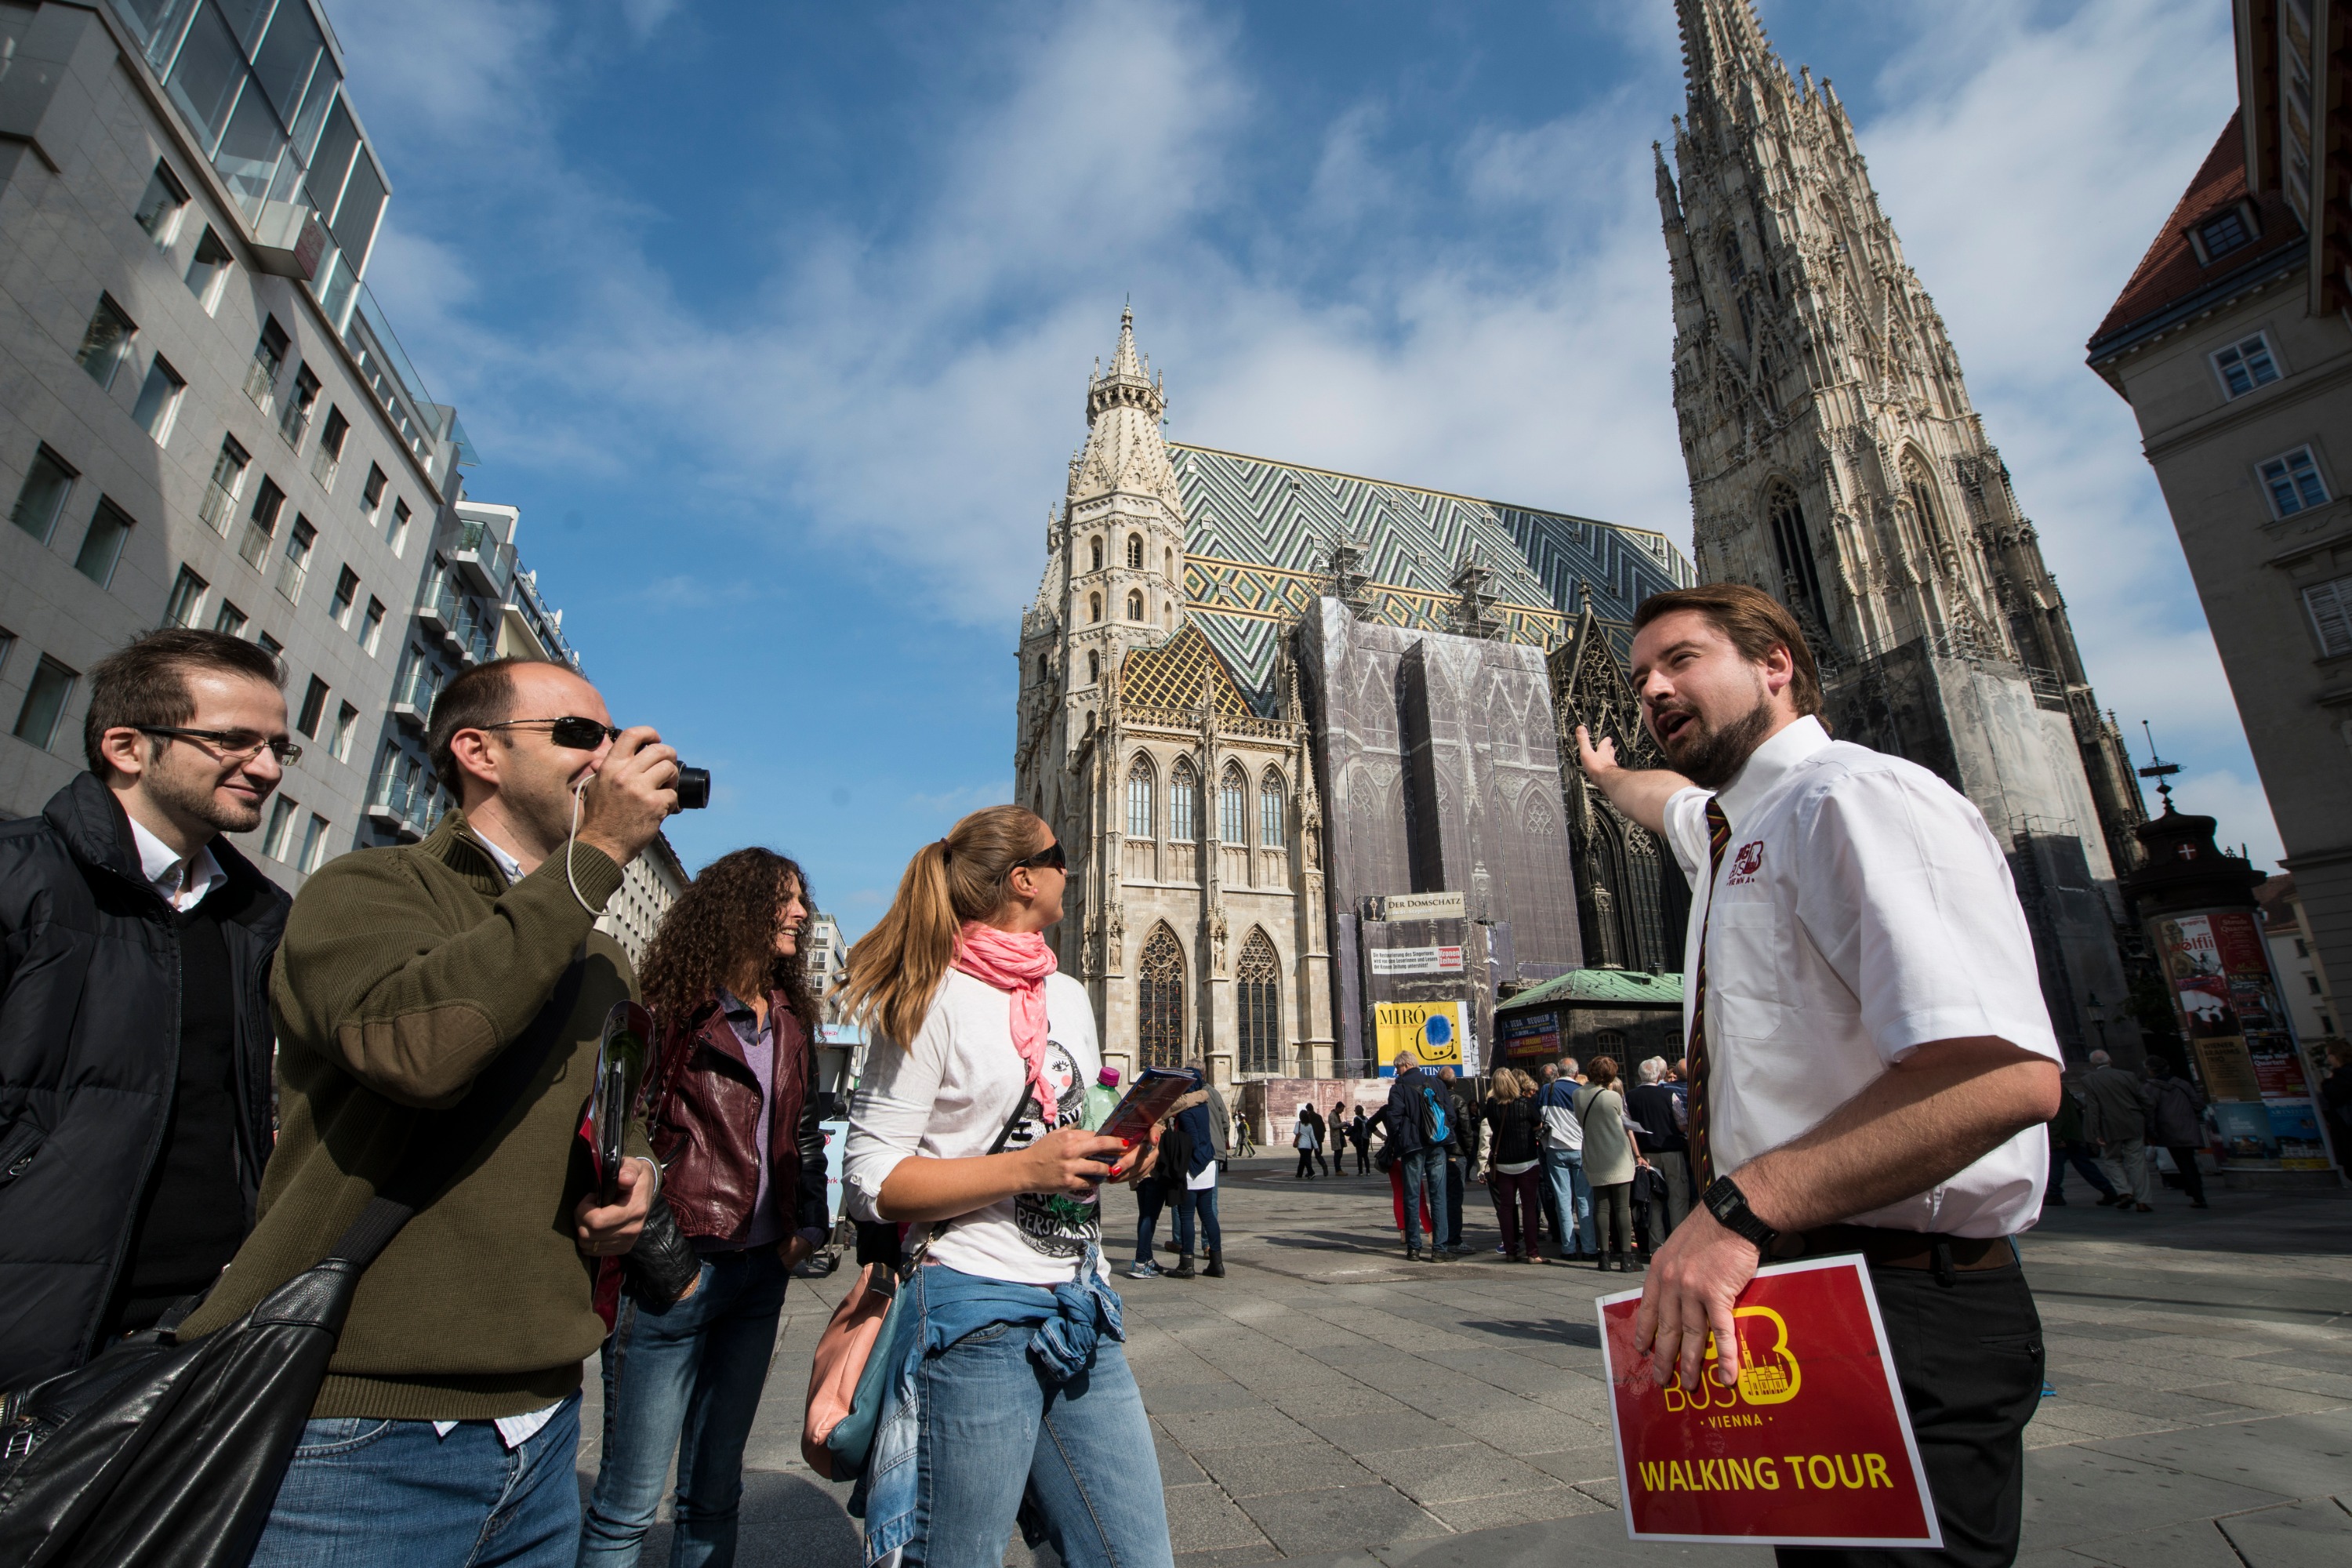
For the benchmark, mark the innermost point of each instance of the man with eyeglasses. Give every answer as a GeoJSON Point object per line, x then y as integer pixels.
{"type": "Point", "coordinates": [134, 1031]}
{"type": "Point", "coordinates": [455, 984]}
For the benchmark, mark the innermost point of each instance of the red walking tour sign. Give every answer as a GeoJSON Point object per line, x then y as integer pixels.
{"type": "Point", "coordinates": [1810, 1448]}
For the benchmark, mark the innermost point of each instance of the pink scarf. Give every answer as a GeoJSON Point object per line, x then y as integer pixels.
{"type": "Point", "coordinates": [1018, 962]}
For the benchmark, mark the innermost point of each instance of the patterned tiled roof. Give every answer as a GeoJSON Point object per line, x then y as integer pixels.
{"type": "Point", "coordinates": [1259, 536]}
{"type": "Point", "coordinates": [1169, 676]}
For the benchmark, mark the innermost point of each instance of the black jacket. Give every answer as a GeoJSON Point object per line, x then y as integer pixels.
{"type": "Point", "coordinates": [89, 1045]}
{"type": "Point", "coordinates": [1653, 1105]}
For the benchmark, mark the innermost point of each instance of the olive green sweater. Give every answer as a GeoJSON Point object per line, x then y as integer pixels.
{"type": "Point", "coordinates": [404, 973]}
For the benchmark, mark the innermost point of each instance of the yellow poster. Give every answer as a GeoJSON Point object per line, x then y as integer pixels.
{"type": "Point", "coordinates": [1431, 1031]}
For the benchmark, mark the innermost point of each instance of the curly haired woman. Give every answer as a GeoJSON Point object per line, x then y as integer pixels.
{"type": "Point", "coordinates": [733, 1114]}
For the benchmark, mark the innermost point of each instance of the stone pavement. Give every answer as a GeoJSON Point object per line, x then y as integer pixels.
{"type": "Point", "coordinates": [1328, 1402]}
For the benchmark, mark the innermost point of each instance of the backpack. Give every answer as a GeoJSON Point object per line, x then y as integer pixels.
{"type": "Point", "coordinates": [1435, 1128]}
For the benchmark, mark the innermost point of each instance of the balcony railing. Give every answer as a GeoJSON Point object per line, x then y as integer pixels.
{"type": "Point", "coordinates": [453, 618]}
{"type": "Point", "coordinates": [218, 504]}
{"type": "Point", "coordinates": [254, 543]}
{"type": "Point", "coordinates": [485, 558]}
{"type": "Point", "coordinates": [294, 423]}
{"type": "Point", "coordinates": [261, 383]}
{"type": "Point", "coordinates": [407, 802]}
{"type": "Point", "coordinates": [324, 466]}
{"type": "Point", "coordinates": [413, 695]}
{"type": "Point", "coordinates": [292, 573]}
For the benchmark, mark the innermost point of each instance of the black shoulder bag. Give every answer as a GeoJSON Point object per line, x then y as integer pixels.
{"type": "Point", "coordinates": [162, 1453]}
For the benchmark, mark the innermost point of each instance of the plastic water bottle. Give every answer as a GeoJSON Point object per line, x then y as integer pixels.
{"type": "Point", "coordinates": [1101, 1099]}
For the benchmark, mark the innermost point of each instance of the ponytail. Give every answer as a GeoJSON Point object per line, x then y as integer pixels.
{"type": "Point", "coordinates": [894, 969]}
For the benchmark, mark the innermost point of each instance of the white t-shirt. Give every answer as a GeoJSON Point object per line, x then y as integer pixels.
{"type": "Point", "coordinates": [948, 1095]}
{"type": "Point", "coordinates": [1862, 911]}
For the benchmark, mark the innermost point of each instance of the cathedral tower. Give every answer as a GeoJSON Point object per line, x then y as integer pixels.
{"type": "Point", "coordinates": [1836, 461]}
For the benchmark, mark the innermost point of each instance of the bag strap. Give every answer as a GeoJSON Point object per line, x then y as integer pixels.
{"type": "Point", "coordinates": [439, 1146]}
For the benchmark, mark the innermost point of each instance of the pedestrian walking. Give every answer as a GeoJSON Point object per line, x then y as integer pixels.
{"type": "Point", "coordinates": [135, 946]}
{"type": "Point", "coordinates": [2176, 1121]}
{"type": "Point", "coordinates": [1610, 1161]}
{"type": "Point", "coordinates": [1359, 1134]}
{"type": "Point", "coordinates": [1303, 1139]}
{"type": "Point", "coordinates": [734, 1115]}
{"type": "Point", "coordinates": [1870, 1054]}
{"type": "Point", "coordinates": [1659, 1110]}
{"type": "Point", "coordinates": [2115, 1118]}
{"type": "Point", "coordinates": [458, 983]}
{"type": "Point", "coordinates": [1188, 1154]}
{"type": "Point", "coordinates": [966, 1126]}
{"type": "Point", "coordinates": [1514, 1161]}
{"type": "Point", "coordinates": [2067, 1148]}
{"type": "Point", "coordinates": [1418, 1120]}
{"type": "Point", "coordinates": [1244, 1137]}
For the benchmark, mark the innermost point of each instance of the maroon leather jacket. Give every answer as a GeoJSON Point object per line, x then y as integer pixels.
{"type": "Point", "coordinates": [702, 1112]}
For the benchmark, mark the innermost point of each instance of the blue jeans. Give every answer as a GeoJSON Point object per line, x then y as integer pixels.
{"type": "Point", "coordinates": [1424, 1173]}
{"type": "Point", "coordinates": [1203, 1203]}
{"type": "Point", "coordinates": [685, 1381]}
{"type": "Point", "coordinates": [1151, 1197]}
{"type": "Point", "coordinates": [364, 1493]}
{"type": "Point", "coordinates": [1564, 1170]}
{"type": "Point", "coordinates": [998, 1442]}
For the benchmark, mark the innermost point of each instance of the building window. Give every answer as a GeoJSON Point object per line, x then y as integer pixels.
{"type": "Point", "coordinates": [209, 269]}
{"type": "Point", "coordinates": [329, 455]}
{"type": "Point", "coordinates": [230, 620]}
{"type": "Point", "coordinates": [1094, 607]}
{"type": "Point", "coordinates": [1095, 553]}
{"type": "Point", "coordinates": [347, 589]}
{"type": "Point", "coordinates": [1272, 812]}
{"type": "Point", "coordinates": [188, 601]}
{"type": "Point", "coordinates": [44, 702]}
{"type": "Point", "coordinates": [295, 421]}
{"type": "Point", "coordinates": [2329, 604]}
{"type": "Point", "coordinates": [159, 400]}
{"type": "Point", "coordinates": [1233, 820]}
{"type": "Point", "coordinates": [105, 341]}
{"type": "Point", "coordinates": [1184, 796]}
{"type": "Point", "coordinates": [101, 547]}
{"type": "Point", "coordinates": [269, 645]}
{"type": "Point", "coordinates": [228, 479]}
{"type": "Point", "coordinates": [314, 842]}
{"type": "Point", "coordinates": [268, 359]}
{"type": "Point", "coordinates": [372, 626]}
{"type": "Point", "coordinates": [1257, 996]}
{"type": "Point", "coordinates": [1794, 544]}
{"type": "Point", "coordinates": [261, 523]}
{"type": "Point", "coordinates": [1159, 1001]}
{"type": "Point", "coordinates": [2294, 483]}
{"type": "Point", "coordinates": [160, 207]}
{"type": "Point", "coordinates": [1094, 668]}
{"type": "Point", "coordinates": [1135, 605]}
{"type": "Point", "coordinates": [371, 493]}
{"type": "Point", "coordinates": [338, 743]}
{"type": "Point", "coordinates": [399, 534]}
{"type": "Point", "coordinates": [1135, 552]}
{"type": "Point", "coordinates": [43, 497]}
{"type": "Point", "coordinates": [2313, 982]}
{"type": "Point", "coordinates": [282, 824]}
{"type": "Point", "coordinates": [295, 568]}
{"type": "Point", "coordinates": [2245, 366]}
{"type": "Point", "coordinates": [1138, 798]}
{"type": "Point", "coordinates": [313, 709]}
{"type": "Point", "coordinates": [2224, 234]}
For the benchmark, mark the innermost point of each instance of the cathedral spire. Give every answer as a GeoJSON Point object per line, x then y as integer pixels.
{"type": "Point", "coordinates": [1125, 450]}
{"type": "Point", "coordinates": [1725, 55]}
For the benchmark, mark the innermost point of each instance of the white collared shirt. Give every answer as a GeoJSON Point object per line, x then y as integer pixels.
{"type": "Point", "coordinates": [509, 867]}
{"type": "Point", "coordinates": [1862, 909]}
{"type": "Point", "coordinates": [181, 881]}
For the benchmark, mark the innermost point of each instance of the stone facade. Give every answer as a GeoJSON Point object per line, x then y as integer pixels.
{"type": "Point", "coordinates": [1836, 461]}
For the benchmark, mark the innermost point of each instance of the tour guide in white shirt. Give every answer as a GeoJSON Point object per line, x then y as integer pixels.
{"type": "Point", "coordinates": [1870, 1058]}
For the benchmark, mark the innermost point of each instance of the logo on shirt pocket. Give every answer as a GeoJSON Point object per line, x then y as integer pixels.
{"type": "Point", "coordinates": [1745, 862]}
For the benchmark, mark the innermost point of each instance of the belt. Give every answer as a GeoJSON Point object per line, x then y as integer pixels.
{"type": "Point", "coordinates": [1884, 1248]}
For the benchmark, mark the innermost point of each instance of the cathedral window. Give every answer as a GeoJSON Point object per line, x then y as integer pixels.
{"type": "Point", "coordinates": [1272, 814]}
{"type": "Point", "coordinates": [1094, 607]}
{"type": "Point", "coordinates": [1232, 791]}
{"type": "Point", "coordinates": [1170, 557]}
{"type": "Point", "coordinates": [1184, 803]}
{"type": "Point", "coordinates": [1159, 1001]}
{"type": "Point", "coordinates": [1794, 544]}
{"type": "Point", "coordinates": [1094, 552]}
{"type": "Point", "coordinates": [1093, 667]}
{"type": "Point", "coordinates": [1045, 667]}
{"type": "Point", "coordinates": [2246, 365]}
{"type": "Point", "coordinates": [2293, 482]}
{"type": "Point", "coordinates": [1923, 503]}
{"type": "Point", "coordinates": [1138, 798]}
{"type": "Point", "coordinates": [1257, 997]}
{"type": "Point", "coordinates": [1733, 261]}
{"type": "Point", "coordinates": [1135, 551]}
{"type": "Point", "coordinates": [1135, 605]}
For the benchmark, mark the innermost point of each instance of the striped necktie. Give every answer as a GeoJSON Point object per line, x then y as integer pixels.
{"type": "Point", "coordinates": [1718, 839]}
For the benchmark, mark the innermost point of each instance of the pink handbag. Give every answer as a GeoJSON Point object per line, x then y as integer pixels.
{"type": "Point", "coordinates": [842, 1353]}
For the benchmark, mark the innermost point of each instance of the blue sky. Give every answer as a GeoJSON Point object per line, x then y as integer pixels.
{"type": "Point", "coordinates": [776, 320]}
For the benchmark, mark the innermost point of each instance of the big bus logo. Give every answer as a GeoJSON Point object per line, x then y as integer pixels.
{"type": "Point", "coordinates": [1769, 1373]}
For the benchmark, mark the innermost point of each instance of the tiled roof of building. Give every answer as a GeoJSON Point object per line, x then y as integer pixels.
{"type": "Point", "coordinates": [2171, 274]}
{"type": "Point", "coordinates": [1172, 675]}
{"type": "Point", "coordinates": [1603, 988]}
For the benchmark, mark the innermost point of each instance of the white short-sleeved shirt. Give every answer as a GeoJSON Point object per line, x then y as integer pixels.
{"type": "Point", "coordinates": [949, 1094]}
{"type": "Point", "coordinates": [1862, 909]}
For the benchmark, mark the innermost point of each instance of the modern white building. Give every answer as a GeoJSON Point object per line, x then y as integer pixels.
{"type": "Point", "coordinates": [825, 956]}
{"type": "Point", "coordinates": [650, 884]}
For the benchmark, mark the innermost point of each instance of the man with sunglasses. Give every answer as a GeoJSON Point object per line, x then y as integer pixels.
{"type": "Point", "coordinates": [429, 991]}
{"type": "Point", "coordinates": [134, 1031]}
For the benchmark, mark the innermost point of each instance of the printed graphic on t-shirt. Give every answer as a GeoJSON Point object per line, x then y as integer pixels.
{"type": "Point", "coordinates": [1056, 1223]}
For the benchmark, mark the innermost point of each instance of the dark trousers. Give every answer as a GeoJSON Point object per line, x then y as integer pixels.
{"type": "Point", "coordinates": [1151, 1197]}
{"type": "Point", "coordinates": [2078, 1155]}
{"type": "Point", "coordinates": [2192, 1180]}
{"type": "Point", "coordinates": [1516, 1204]}
{"type": "Point", "coordinates": [1968, 1356]}
{"type": "Point", "coordinates": [1201, 1203]}
{"type": "Point", "coordinates": [1306, 1165]}
{"type": "Point", "coordinates": [1364, 1158]}
{"type": "Point", "coordinates": [1453, 1202]}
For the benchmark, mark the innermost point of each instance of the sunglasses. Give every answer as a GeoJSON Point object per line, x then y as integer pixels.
{"type": "Point", "coordinates": [1051, 855]}
{"type": "Point", "coordinates": [572, 733]}
{"type": "Point", "coordinates": [234, 745]}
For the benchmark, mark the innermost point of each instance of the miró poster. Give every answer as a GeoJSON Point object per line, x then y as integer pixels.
{"type": "Point", "coordinates": [1810, 1448]}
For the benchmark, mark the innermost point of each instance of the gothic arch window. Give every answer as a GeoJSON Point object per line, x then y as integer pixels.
{"type": "Point", "coordinates": [1257, 995]}
{"type": "Point", "coordinates": [1734, 262]}
{"type": "Point", "coordinates": [1138, 797]}
{"type": "Point", "coordinates": [1094, 668]}
{"type": "Point", "coordinates": [1135, 605]}
{"type": "Point", "coordinates": [1183, 802]}
{"type": "Point", "coordinates": [1793, 541]}
{"type": "Point", "coordinates": [1094, 607]}
{"type": "Point", "coordinates": [1045, 667]}
{"type": "Point", "coordinates": [1273, 814]}
{"type": "Point", "coordinates": [1922, 491]}
{"type": "Point", "coordinates": [1170, 572]}
{"type": "Point", "coordinates": [1135, 551]}
{"type": "Point", "coordinates": [1232, 804]}
{"type": "Point", "coordinates": [1096, 551]}
{"type": "Point", "coordinates": [1160, 1000]}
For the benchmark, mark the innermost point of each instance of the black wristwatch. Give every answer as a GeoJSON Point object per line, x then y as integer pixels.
{"type": "Point", "coordinates": [1729, 1205]}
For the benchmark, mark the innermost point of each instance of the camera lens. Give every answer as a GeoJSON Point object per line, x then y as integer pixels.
{"type": "Point", "coordinates": [693, 789]}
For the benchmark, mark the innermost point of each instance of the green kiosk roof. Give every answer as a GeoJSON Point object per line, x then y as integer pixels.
{"type": "Point", "coordinates": [1601, 987]}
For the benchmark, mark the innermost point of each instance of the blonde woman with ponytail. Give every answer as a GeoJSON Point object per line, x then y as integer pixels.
{"type": "Point", "coordinates": [1008, 1384]}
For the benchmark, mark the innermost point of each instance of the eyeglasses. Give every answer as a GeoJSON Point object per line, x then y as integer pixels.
{"type": "Point", "coordinates": [572, 733]}
{"type": "Point", "coordinates": [1051, 855]}
{"type": "Point", "coordinates": [234, 745]}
